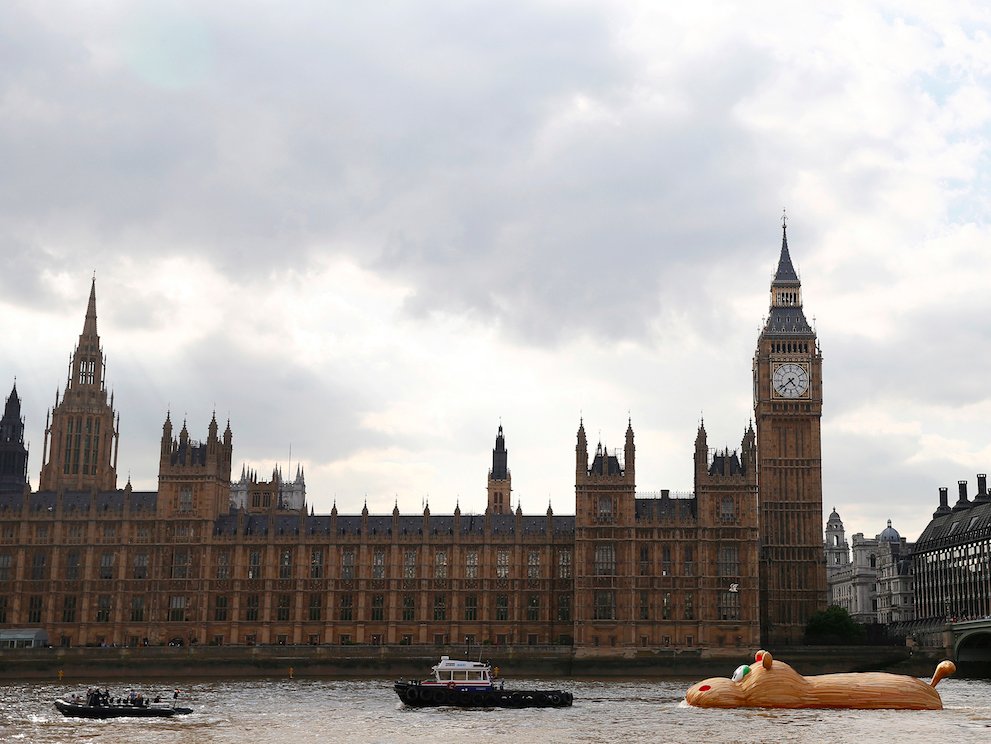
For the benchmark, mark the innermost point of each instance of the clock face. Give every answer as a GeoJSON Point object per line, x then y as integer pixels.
{"type": "Point", "coordinates": [790, 380]}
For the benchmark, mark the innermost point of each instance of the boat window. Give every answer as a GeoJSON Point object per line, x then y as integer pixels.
{"type": "Point", "coordinates": [474, 675]}
{"type": "Point", "coordinates": [444, 676]}
{"type": "Point", "coordinates": [461, 676]}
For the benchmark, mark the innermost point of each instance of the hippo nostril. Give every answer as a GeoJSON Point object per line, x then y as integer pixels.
{"type": "Point", "coordinates": [703, 688]}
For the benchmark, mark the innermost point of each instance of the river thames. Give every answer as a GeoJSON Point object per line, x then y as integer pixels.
{"type": "Point", "coordinates": [355, 711]}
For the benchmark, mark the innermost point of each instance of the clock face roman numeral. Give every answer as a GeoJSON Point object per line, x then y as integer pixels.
{"type": "Point", "coordinates": [790, 380]}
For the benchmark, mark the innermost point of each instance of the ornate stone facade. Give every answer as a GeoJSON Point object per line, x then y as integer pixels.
{"type": "Point", "coordinates": [204, 560]}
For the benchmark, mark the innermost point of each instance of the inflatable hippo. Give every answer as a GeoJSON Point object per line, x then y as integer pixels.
{"type": "Point", "coordinates": [768, 683]}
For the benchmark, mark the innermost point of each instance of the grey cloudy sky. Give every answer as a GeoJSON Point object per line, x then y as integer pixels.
{"type": "Point", "coordinates": [368, 233]}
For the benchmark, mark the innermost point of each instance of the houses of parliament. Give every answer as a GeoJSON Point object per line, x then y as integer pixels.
{"type": "Point", "coordinates": [210, 560]}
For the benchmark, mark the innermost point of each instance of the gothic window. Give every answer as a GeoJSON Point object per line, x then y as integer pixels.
{"type": "Point", "coordinates": [6, 564]}
{"type": "Point", "coordinates": [177, 608]}
{"type": "Point", "coordinates": [185, 499]}
{"type": "Point", "coordinates": [378, 564]}
{"type": "Point", "coordinates": [605, 606]}
{"type": "Point", "coordinates": [689, 561]}
{"type": "Point", "coordinates": [471, 564]}
{"type": "Point", "coordinates": [316, 603]}
{"type": "Point", "coordinates": [409, 564]}
{"type": "Point", "coordinates": [728, 606]}
{"type": "Point", "coordinates": [255, 564]}
{"type": "Point", "coordinates": [471, 607]}
{"type": "Point", "coordinates": [564, 608]}
{"type": "Point", "coordinates": [87, 371]}
{"type": "Point", "coordinates": [409, 608]}
{"type": "Point", "coordinates": [285, 563]}
{"type": "Point", "coordinates": [180, 563]}
{"type": "Point", "coordinates": [605, 508]}
{"type": "Point", "coordinates": [605, 560]}
{"type": "Point", "coordinates": [251, 608]}
{"type": "Point", "coordinates": [69, 609]}
{"type": "Point", "coordinates": [220, 609]}
{"type": "Point", "coordinates": [666, 561]}
{"type": "Point", "coordinates": [689, 606]}
{"type": "Point", "coordinates": [378, 607]}
{"type": "Point", "coordinates": [223, 564]}
{"type": "Point", "coordinates": [347, 564]}
{"type": "Point", "coordinates": [35, 607]}
{"type": "Point", "coordinates": [103, 608]}
{"type": "Point", "coordinates": [347, 607]}
{"type": "Point", "coordinates": [533, 607]}
{"type": "Point", "coordinates": [440, 564]}
{"type": "Point", "coordinates": [564, 564]}
{"type": "Point", "coordinates": [729, 560]}
{"type": "Point", "coordinates": [644, 605]}
{"type": "Point", "coordinates": [502, 564]}
{"type": "Point", "coordinates": [440, 607]}
{"type": "Point", "coordinates": [502, 607]}
{"type": "Point", "coordinates": [107, 566]}
{"type": "Point", "coordinates": [645, 560]}
{"type": "Point", "coordinates": [38, 571]}
{"type": "Point", "coordinates": [533, 564]}
{"type": "Point", "coordinates": [316, 563]}
{"type": "Point", "coordinates": [727, 509]}
{"type": "Point", "coordinates": [283, 608]}
{"type": "Point", "coordinates": [3, 610]}
{"type": "Point", "coordinates": [666, 606]}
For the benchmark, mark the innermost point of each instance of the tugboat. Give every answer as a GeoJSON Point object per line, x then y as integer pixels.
{"type": "Point", "coordinates": [470, 684]}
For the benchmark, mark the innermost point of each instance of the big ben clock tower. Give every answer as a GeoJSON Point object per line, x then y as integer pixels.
{"type": "Point", "coordinates": [787, 408]}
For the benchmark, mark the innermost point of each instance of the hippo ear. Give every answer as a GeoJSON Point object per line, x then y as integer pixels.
{"type": "Point", "coordinates": [766, 660]}
{"type": "Point", "coordinates": [759, 655]}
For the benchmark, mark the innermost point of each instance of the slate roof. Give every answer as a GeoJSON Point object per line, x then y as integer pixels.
{"type": "Point", "coordinates": [957, 528]}
{"type": "Point", "coordinates": [652, 510]}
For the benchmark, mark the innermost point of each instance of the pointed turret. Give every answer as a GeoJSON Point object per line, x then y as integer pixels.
{"type": "Point", "coordinates": [581, 450]}
{"type": "Point", "coordinates": [212, 430]}
{"type": "Point", "coordinates": [701, 452]}
{"type": "Point", "coordinates": [13, 453]}
{"type": "Point", "coordinates": [500, 483]}
{"type": "Point", "coordinates": [629, 450]}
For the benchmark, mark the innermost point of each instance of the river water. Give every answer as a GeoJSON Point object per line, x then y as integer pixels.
{"type": "Point", "coordinates": [302, 711]}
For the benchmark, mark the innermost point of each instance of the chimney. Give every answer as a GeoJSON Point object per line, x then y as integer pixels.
{"type": "Point", "coordinates": [982, 487]}
{"type": "Point", "coordinates": [944, 507]}
{"type": "Point", "coordinates": [962, 503]}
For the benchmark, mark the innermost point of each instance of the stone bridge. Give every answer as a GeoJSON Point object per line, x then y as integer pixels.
{"type": "Point", "coordinates": [972, 647]}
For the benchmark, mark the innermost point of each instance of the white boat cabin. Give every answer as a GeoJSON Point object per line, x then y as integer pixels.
{"type": "Point", "coordinates": [459, 673]}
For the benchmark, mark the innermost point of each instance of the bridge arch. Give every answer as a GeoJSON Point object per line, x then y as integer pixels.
{"type": "Point", "coordinates": [972, 651]}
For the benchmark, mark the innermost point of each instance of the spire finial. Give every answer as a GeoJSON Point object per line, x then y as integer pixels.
{"type": "Point", "coordinates": [784, 218]}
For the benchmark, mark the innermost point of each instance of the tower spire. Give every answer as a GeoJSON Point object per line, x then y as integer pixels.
{"type": "Point", "coordinates": [83, 462]}
{"type": "Point", "coordinates": [89, 325]}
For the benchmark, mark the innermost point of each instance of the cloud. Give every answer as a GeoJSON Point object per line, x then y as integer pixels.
{"type": "Point", "coordinates": [370, 232]}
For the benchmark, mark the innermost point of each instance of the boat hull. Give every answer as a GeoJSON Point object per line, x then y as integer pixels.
{"type": "Point", "coordinates": [424, 696]}
{"type": "Point", "coordinates": [75, 710]}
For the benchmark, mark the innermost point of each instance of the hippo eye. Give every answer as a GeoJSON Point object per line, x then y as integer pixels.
{"type": "Point", "coordinates": [741, 671]}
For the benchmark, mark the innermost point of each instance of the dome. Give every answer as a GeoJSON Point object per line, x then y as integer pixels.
{"type": "Point", "coordinates": [889, 534]}
{"type": "Point", "coordinates": [834, 519]}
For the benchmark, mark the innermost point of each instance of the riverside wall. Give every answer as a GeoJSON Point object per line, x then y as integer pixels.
{"type": "Point", "coordinates": [86, 663]}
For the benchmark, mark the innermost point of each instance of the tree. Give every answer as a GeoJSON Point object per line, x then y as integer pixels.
{"type": "Point", "coordinates": [834, 626]}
